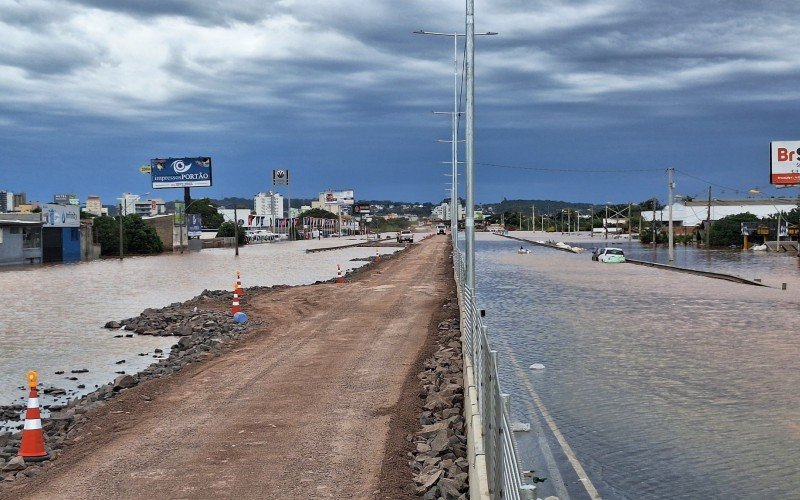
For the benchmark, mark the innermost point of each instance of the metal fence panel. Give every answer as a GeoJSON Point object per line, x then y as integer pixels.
{"type": "Point", "coordinates": [502, 463]}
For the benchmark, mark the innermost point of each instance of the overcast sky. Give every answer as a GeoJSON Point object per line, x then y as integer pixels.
{"type": "Point", "coordinates": [575, 100]}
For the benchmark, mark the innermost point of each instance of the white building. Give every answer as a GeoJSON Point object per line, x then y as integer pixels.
{"type": "Point", "coordinates": [149, 208]}
{"type": "Point", "coordinates": [692, 213]}
{"type": "Point", "coordinates": [443, 212]}
{"type": "Point", "coordinates": [94, 206]}
{"type": "Point", "coordinates": [269, 205]}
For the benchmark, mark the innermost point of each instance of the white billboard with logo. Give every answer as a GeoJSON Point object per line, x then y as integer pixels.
{"type": "Point", "coordinates": [784, 165]}
{"type": "Point", "coordinates": [338, 197]}
{"type": "Point", "coordinates": [54, 215]}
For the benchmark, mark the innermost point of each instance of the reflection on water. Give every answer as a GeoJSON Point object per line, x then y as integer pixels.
{"type": "Point", "coordinates": [53, 315]}
{"type": "Point", "coordinates": [665, 385]}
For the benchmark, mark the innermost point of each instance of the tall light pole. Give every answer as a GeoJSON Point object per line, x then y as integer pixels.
{"type": "Point", "coordinates": [455, 114]}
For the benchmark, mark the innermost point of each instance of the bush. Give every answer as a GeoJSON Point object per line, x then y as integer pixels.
{"type": "Point", "coordinates": [228, 230]}
{"type": "Point", "coordinates": [137, 236]}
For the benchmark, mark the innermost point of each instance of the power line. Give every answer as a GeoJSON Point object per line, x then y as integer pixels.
{"type": "Point", "coordinates": [576, 170]}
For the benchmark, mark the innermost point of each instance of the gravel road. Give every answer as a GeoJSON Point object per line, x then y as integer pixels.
{"type": "Point", "coordinates": [303, 407]}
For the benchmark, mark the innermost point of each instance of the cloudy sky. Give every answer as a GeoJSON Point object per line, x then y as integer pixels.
{"type": "Point", "coordinates": [575, 100]}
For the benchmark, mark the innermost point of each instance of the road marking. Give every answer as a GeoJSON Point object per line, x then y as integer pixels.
{"type": "Point", "coordinates": [573, 460]}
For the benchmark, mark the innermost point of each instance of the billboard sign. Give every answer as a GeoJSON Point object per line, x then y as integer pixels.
{"type": "Point", "coordinates": [749, 228]}
{"type": "Point", "coordinates": [784, 164]}
{"type": "Point", "coordinates": [361, 209]}
{"type": "Point", "coordinates": [280, 177]}
{"type": "Point", "coordinates": [195, 225]}
{"type": "Point", "coordinates": [180, 172]}
{"type": "Point", "coordinates": [54, 215]}
{"type": "Point", "coordinates": [338, 197]}
{"type": "Point", "coordinates": [180, 209]}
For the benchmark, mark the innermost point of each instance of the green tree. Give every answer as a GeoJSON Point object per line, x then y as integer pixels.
{"type": "Point", "coordinates": [728, 230]}
{"type": "Point", "coordinates": [228, 230]}
{"type": "Point", "coordinates": [208, 212]}
{"type": "Point", "coordinates": [138, 237]}
{"type": "Point", "coordinates": [318, 213]}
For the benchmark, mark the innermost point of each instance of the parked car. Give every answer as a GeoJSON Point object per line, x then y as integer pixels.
{"type": "Point", "coordinates": [609, 255]}
{"type": "Point", "coordinates": [405, 236]}
{"type": "Point", "coordinates": [441, 229]}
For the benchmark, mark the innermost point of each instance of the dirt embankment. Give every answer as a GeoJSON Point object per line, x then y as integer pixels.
{"type": "Point", "coordinates": [308, 405]}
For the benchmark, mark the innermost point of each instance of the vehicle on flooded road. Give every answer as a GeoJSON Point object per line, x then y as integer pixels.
{"type": "Point", "coordinates": [609, 255]}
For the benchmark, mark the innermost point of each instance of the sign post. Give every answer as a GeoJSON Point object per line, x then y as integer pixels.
{"type": "Point", "coordinates": [281, 177]}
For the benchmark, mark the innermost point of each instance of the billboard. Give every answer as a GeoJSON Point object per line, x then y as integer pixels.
{"type": "Point", "coordinates": [361, 209]}
{"type": "Point", "coordinates": [280, 177]}
{"type": "Point", "coordinates": [338, 197]}
{"type": "Point", "coordinates": [61, 215]}
{"type": "Point", "coordinates": [784, 164]}
{"type": "Point", "coordinates": [195, 225]}
{"type": "Point", "coordinates": [180, 172]}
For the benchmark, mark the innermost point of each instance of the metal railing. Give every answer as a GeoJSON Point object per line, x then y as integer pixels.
{"type": "Point", "coordinates": [503, 472]}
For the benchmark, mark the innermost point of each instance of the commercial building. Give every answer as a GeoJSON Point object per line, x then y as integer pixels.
{"type": "Point", "coordinates": [20, 238]}
{"type": "Point", "coordinates": [690, 214]}
{"type": "Point", "coordinates": [61, 234]}
{"type": "Point", "coordinates": [6, 201]}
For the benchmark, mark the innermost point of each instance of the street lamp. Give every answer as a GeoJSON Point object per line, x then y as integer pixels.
{"type": "Point", "coordinates": [235, 226]}
{"type": "Point", "coordinates": [469, 226]}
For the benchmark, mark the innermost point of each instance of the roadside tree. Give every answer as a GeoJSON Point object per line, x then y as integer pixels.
{"type": "Point", "coordinates": [728, 230]}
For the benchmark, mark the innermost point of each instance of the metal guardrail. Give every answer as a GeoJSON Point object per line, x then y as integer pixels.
{"type": "Point", "coordinates": [504, 475]}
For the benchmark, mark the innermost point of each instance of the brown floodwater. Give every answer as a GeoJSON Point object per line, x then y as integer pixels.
{"type": "Point", "coordinates": [54, 314]}
{"type": "Point", "coordinates": [662, 384]}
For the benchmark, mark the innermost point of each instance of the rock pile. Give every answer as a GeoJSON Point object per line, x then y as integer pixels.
{"type": "Point", "coordinates": [439, 458]}
{"type": "Point", "coordinates": [201, 334]}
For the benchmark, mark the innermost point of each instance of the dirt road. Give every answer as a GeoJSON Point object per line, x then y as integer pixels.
{"type": "Point", "coordinates": [299, 409]}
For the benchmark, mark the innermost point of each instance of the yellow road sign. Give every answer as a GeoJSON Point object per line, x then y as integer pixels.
{"type": "Point", "coordinates": [145, 169]}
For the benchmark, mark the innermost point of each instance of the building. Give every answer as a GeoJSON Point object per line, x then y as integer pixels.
{"type": "Point", "coordinates": [94, 206]}
{"type": "Point", "coordinates": [443, 212]}
{"type": "Point", "coordinates": [690, 214]}
{"type": "Point", "coordinates": [61, 233]}
{"type": "Point", "coordinates": [66, 199]}
{"type": "Point", "coordinates": [127, 204]}
{"type": "Point", "coordinates": [267, 206]}
{"type": "Point", "coordinates": [150, 208]}
{"type": "Point", "coordinates": [20, 239]}
{"type": "Point", "coordinates": [6, 201]}
{"type": "Point", "coordinates": [338, 202]}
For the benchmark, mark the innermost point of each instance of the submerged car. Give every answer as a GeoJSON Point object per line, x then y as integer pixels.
{"type": "Point", "coordinates": [609, 255]}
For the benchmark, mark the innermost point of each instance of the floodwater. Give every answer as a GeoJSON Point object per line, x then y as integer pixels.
{"type": "Point", "coordinates": [54, 315]}
{"type": "Point", "coordinates": [657, 384]}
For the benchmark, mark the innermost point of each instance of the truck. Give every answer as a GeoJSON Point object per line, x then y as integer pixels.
{"type": "Point", "coordinates": [405, 236]}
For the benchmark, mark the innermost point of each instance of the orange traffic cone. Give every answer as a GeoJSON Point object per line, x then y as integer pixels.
{"type": "Point", "coordinates": [377, 256]}
{"type": "Point", "coordinates": [235, 308]}
{"type": "Point", "coordinates": [239, 289]}
{"type": "Point", "coordinates": [31, 448]}
{"type": "Point", "coordinates": [339, 277]}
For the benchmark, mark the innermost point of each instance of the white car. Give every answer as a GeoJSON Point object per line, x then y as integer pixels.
{"type": "Point", "coordinates": [609, 255]}
{"type": "Point", "coordinates": [441, 229]}
{"type": "Point", "coordinates": [405, 235]}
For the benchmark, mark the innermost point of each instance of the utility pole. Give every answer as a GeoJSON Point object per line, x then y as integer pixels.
{"type": "Point", "coordinates": [591, 223]}
{"type": "Point", "coordinates": [519, 222]}
{"type": "Point", "coordinates": [630, 223]}
{"type": "Point", "coordinates": [533, 218]}
{"type": "Point", "coordinates": [120, 231]}
{"type": "Point", "coordinates": [236, 228]}
{"type": "Point", "coordinates": [605, 222]}
{"type": "Point", "coordinates": [671, 242]}
{"type": "Point", "coordinates": [708, 220]}
{"type": "Point", "coordinates": [655, 200]}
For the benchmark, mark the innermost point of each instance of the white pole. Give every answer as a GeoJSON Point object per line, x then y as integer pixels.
{"type": "Point", "coordinates": [469, 220]}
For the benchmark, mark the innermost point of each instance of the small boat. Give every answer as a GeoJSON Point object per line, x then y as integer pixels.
{"type": "Point", "coordinates": [759, 248]}
{"type": "Point", "coordinates": [523, 250]}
